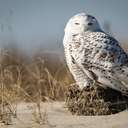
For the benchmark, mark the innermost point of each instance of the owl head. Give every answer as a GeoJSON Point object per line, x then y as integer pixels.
{"type": "Point", "coordinates": [81, 23]}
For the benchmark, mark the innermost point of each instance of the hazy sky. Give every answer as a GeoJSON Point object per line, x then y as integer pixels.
{"type": "Point", "coordinates": [31, 22]}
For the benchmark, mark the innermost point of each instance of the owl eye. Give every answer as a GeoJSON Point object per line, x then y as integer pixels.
{"type": "Point", "coordinates": [90, 24]}
{"type": "Point", "coordinates": [77, 23]}
{"type": "Point", "coordinates": [93, 17]}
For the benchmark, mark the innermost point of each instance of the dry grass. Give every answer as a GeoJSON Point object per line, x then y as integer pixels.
{"type": "Point", "coordinates": [95, 100]}
{"type": "Point", "coordinates": [30, 80]}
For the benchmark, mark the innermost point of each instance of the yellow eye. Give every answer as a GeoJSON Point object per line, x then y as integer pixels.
{"type": "Point", "coordinates": [77, 23]}
{"type": "Point", "coordinates": [90, 24]}
{"type": "Point", "coordinates": [93, 17]}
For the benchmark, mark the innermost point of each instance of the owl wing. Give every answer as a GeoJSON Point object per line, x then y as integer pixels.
{"type": "Point", "coordinates": [98, 50]}
{"type": "Point", "coordinates": [98, 55]}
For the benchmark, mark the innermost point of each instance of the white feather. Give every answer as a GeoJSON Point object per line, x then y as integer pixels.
{"type": "Point", "coordinates": [93, 55]}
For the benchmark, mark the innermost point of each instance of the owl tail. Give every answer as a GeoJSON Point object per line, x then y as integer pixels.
{"type": "Point", "coordinates": [113, 83]}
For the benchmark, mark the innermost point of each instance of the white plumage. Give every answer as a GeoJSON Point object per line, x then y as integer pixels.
{"type": "Point", "coordinates": [94, 56]}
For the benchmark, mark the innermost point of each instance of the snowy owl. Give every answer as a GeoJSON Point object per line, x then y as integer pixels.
{"type": "Point", "coordinates": [93, 56]}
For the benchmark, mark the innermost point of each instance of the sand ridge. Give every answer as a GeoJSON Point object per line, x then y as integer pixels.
{"type": "Point", "coordinates": [55, 115]}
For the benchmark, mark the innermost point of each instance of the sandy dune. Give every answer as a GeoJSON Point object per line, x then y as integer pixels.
{"type": "Point", "coordinates": [55, 115]}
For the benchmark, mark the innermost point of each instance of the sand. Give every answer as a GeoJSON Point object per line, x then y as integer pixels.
{"type": "Point", "coordinates": [55, 115]}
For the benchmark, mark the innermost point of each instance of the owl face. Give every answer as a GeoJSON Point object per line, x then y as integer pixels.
{"type": "Point", "coordinates": [81, 23]}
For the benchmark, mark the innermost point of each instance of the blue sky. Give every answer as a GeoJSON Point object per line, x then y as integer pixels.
{"type": "Point", "coordinates": [35, 22]}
